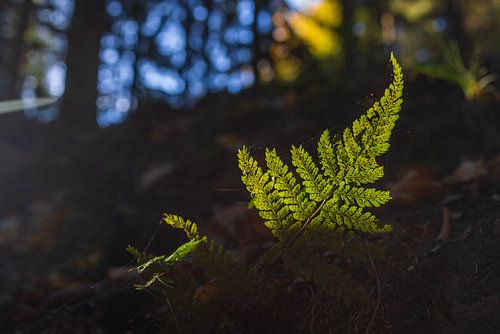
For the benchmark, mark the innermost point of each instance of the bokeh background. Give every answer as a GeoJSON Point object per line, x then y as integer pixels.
{"type": "Point", "coordinates": [152, 99]}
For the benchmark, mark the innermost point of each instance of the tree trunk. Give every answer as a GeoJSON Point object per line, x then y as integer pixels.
{"type": "Point", "coordinates": [78, 109]}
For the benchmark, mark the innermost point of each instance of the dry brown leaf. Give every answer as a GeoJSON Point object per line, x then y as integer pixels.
{"type": "Point", "coordinates": [468, 171]}
{"type": "Point", "coordinates": [237, 223]}
{"type": "Point", "coordinates": [207, 291]}
{"type": "Point", "coordinates": [231, 141]}
{"type": "Point", "coordinates": [416, 184]}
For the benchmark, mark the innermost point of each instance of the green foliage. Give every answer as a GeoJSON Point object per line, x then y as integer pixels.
{"type": "Point", "coordinates": [474, 80]}
{"type": "Point", "coordinates": [314, 208]}
{"type": "Point", "coordinates": [335, 198]}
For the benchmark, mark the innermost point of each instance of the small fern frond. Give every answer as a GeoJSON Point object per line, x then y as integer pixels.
{"type": "Point", "coordinates": [362, 197]}
{"type": "Point", "coordinates": [363, 174]}
{"type": "Point", "coordinates": [188, 226]}
{"type": "Point", "coordinates": [313, 181]}
{"type": "Point", "coordinates": [156, 278]}
{"type": "Point", "coordinates": [261, 187]}
{"type": "Point", "coordinates": [351, 217]}
{"type": "Point", "coordinates": [177, 256]}
{"type": "Point", "coordinates": [219, 264]}
{"type": "Point", "coordinates": [369, 135]}
{"type": "Point", "coordinates": [287, 188]}
{"type": "Point", "coordinates": [318, 270]}
{"type": "Point", "coordinates": [327, 156]}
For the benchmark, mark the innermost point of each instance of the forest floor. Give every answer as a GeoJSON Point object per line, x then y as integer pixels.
{"type": "Point", "coordinates": [74, 201]}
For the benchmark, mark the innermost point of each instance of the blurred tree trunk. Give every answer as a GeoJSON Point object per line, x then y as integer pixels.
{"type": "Point", "coordinates": [457, 30]}
{"type": "Point", "coordinates": [348, 38]}
{"type": "Point", "coordinates": [19, 49]}
{"type": "Point", "coordinates": [78, 109]}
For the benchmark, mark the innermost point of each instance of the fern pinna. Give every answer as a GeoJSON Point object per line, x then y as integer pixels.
{"type": "Point", "coordinates": [320, 204]}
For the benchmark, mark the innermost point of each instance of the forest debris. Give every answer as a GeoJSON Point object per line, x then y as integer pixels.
{"type": "Point", "coordinates": [482, 308]}
{"type": "Point", "coordinates": [237, 223]}
{"type": "Point", "coordinates": [231, 141]}
{"type": "Point", "coordinates": [468, 171]}
{"type": "Point", "coordinates": [10, 229]}
{"type": "Point", "coordinates": [207, 291]}
{"type": "Point", "coordinates": [154, 173]}
{"type": "Point", "coordinates": [165, 131]}
{"type": "Point", "coordinates": [496, 226]}
{"type": "Point", "coordinates": [47, 234]}
{"type": "Point", "coordinates": [122, 272]}
{"type": "Point", "coordinates": [444, 234]}
{"type": "Point", "coordinates": [416, 184]}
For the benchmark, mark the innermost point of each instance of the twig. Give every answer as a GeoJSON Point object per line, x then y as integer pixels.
{"type": "Point", "coordinates": [450, 326]}
{"type": "Point", "coordinates": [379, 294]}
{"type": "Point", "coordinates": [153, 236]}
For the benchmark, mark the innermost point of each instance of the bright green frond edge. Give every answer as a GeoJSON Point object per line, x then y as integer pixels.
{"type": "Point", "coordinates": [318, 203]}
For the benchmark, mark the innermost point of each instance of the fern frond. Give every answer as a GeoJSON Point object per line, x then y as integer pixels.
{"type": "Point", "coordinates": [226, 278]}
{"type": "Point", "coordinates": [327, 156]}
{"type": "Point", "coordinates": [287, 188]}
{"type": "Point", "coordinates": [313, 181]}
{"type": "Point", "coordinates": [328, 277]}
{"type": "Point", "coordinates": [156, 278]}
{"type": "Point", "coordinates": [188, 226]}
{"type": "Point", "coordinates": [261, 187]}
{"type": "Point", "coordinates": [362, 197]}
{"type": "Point", "coordinates": [219, 264]}
{"type": "Point", "coordinates": [369, 135]}
{"type": "Point", "coordinates": [352, 217]}
{"type": "Point", "coordinates": [178, 255]}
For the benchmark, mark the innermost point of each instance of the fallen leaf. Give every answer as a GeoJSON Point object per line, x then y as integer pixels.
{"type": "Point", "coordinates": [416, 184]}
{"type": "Point", "coordinates": [468, 171]}
{"type": "Point", "coordinates": [207, 291]}
{"type": "Point", "coordinates": [231, 141]}
{"type": "Point", "coordinates": [237, 223]}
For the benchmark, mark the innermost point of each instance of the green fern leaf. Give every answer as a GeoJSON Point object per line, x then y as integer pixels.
{"type": "Point", "coordinates": [362, 197]}
{"type": "Point", "coordinates": [178, 255]}
{"type": "Point", "coordinates": [156, 278]}
{"type": "Point", "coordinates": [287, 188]}
{"type": "Point", "coordinates": [313, 181]}
{"type": "Point", "coordinates": [327, 156]}
{"type": "Point", "coordinates": [261, 187]}
{"type": "Point", "coordinates": [188, 226]}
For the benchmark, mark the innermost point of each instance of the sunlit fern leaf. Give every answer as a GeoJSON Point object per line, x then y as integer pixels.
{"type": "Point", "coordinates": [188, 226]}
{"type": "Point", "coordinates": [327, 156]}
{"type": "Point", "coordinates": [287, 188]}
{"type": "Point", "coordinates": [156, 278]}
{"type": "Point", "coordinates": [362, 197]}
{"type": "Point", "coordinates": [137, 254]}
{"type": "Point", "coordinates": [178, 255]}
{"type": "Point", "coordinates": [369, 135]}
{"type": "Point", "coordinates": [313, 181]}
{"type": "Point", "coordinates": [277, 216]}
